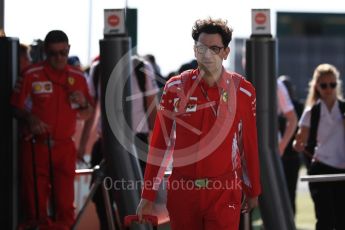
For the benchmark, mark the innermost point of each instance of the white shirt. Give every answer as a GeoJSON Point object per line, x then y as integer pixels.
{"type": "Point", "coordinates": [284, 102]}
{"type": "Point", "coordinates": [330, 136]}
{"type": "Point", "coordinates": [139, 120]}
{"type": "Point", "coordinates": [93, 91]}
{"type": "Point", "coordinates": [139, 115]}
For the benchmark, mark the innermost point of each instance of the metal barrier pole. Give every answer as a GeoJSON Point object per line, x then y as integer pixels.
{"type": "Point", "coordinates": [245, 221]}
{"type": "Point", "coordinates": [117, 216]}
{"type": "Point", "coordinates": [261, 70]}
{"type": "Point", "coordinates": [113, 225]}
{"type": "Point", "coordinates": [108, 208]}
{"type": "Point", "coordinates": [81, 172]}
{"type": "Point", "coordinates": [98, 171]}
{"type": "Point", "coordinates": [9, 71]}
{"type": "Point", "coordinates": [323, 177]}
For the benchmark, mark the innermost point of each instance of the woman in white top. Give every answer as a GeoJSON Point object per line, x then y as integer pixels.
{"type": "Point", "coordinates": [329, 152]}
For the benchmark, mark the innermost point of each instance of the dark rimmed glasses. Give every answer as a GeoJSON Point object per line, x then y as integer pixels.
{"type": "Point", "coordinates": [331, 85]}
{"type": "Point", "coordinates": [201, 49]}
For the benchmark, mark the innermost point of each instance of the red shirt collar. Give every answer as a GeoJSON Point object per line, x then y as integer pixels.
{"type": "Point", "coordinates": [221, 84]}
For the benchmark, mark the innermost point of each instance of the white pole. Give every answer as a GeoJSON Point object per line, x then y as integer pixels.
{"type": "Point", "coordinates": [89, 32]}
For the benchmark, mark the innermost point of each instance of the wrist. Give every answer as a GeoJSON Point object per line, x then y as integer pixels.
{"type": "Point", "coordinates": [84, 105]}
{"type": "Point", "coordinates": [30, 118]}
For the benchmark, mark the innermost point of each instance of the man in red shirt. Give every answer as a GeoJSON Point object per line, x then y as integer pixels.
{"type": "Point", "coordinates": [207, 122]}
{"type": "Point", "coordinates": [49, 98]}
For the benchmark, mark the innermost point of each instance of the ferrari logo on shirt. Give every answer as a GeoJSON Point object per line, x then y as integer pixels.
{"type": "Point", "coordinates": [71, 80]}
{"type": "Point", "coordinates": [39, 87]}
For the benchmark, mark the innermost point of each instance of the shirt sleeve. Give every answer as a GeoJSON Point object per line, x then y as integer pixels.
{"type": "Point", "coordinates": [250, 142]}
{"type": "Point", "coordinates": [151, 85]}
{"type": "Point", "coordinates": [305, 118]}
{"type": "Point", "coordinates": [284, 102]}
{"type": "Point", "coordinates": [90, 80]}
{"type": "Point", "coordinates": [160, 150]}
{"type": "Point", "coordinates": [21, 92]}
{"type": "Point", "coordinates": [86, 92]}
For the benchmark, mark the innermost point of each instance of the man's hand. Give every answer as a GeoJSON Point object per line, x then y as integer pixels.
{"type": "Point", "coordinates": [300, 139]}
{"type": "Point", "coordinates": [249, 203]}
{"type": "Point", "coordinates": [145, 207]}
{"type": "Point", "coordinates": [36, 126]}
{"type": "Point", "coordinates": [80, 155]}
{"type": "Point", "coordinates": [78, 98]}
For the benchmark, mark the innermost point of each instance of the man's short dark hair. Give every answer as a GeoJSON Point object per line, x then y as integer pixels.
{"type": "Point", "coordinates": [55, 36]}
{"type": "Point", "coordinates": [212, 26]}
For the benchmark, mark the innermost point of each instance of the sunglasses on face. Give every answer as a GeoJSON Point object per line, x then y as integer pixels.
{"type": "Point", "coordinates": [201, 49]}
{"type": "Point", "coordinates": [56, 53]}
{"type": "Point", "coordinates": [331, 85]}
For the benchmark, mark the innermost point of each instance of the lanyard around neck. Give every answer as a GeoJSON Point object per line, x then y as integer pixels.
{"type": "Point", "coordinates": [215, 113]}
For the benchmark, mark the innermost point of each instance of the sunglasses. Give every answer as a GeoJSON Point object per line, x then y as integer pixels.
{"type": "Point", "coordinates": [201, 49]}
{"type": "Point", "coordinates": [56, 53]}
{"type": "Point", "coordinates": [331, 85]}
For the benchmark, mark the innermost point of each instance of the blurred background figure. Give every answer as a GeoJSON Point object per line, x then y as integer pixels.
{"type": "Point", "coordinates": [290, 158]}
{"type": "Point", "coordinates": [193, 64]}
{"type": "Point", "coordinates": [287, 110]}
{"type": "Point", "coordinates": [97, 153]}
{"type": "Point", "coordinates": [321, 136]}
{"type": "Point", "coordinates": [144, 92]}
{"type": "Point", "coordinates": [37, 51]}
{"type": "Point", "coordinates": [24, 57]}
{"type": "Point", "coordinates": [74, 61]}
{"type": "Point", "coordinates": [144, 104]}
{"type": "Point", "coordinates": [157, 70]}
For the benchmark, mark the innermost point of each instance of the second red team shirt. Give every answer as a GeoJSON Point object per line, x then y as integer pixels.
{"type": "Point", "coordinates": [45, 93]}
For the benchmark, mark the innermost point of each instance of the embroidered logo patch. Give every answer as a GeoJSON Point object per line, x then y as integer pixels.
{"type": "Point", "coordinates": [39, 87]}
{"type": "Point", "coordinates": [176, 104]}
{"type": "Point", "coordinates": [71, 80]}
{"type": "Point", "coordinates": [191, 105]}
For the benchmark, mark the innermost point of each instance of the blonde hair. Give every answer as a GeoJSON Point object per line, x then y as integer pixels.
{"type": "Point", "coordinates": [320, 71]}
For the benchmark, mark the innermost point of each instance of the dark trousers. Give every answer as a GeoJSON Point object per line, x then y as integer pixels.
{"type": "Point", "coordinates": [141, 144]}
{"type": "Point", "coordinates": [98, 199]}
{"type": "Point", "coordinates": [291, 165]}
{"type": "Point", "coordinates": [329, 198]}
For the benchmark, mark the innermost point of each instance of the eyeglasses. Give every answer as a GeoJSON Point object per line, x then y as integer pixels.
{"type": "Point", "coordinates": [331, 85]}
{"type": "Point", "coordinates": [201, 49]}
{"type": "Point", "coordinates": [55, 53]}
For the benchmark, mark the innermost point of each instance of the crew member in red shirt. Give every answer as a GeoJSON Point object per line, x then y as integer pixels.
{"type": "Point", "coordinates": [206, 122]}
{"type": "Point", "coordinates": [49, 98]}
